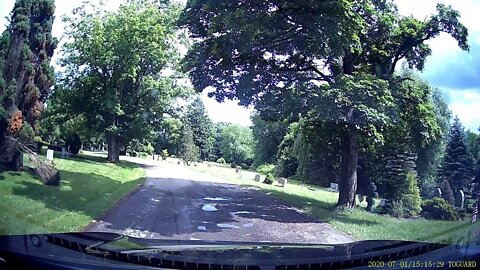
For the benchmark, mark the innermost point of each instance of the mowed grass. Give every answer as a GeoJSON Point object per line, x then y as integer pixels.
{"type": "Point", "coordinates": [357, 223]}
{"type": "Point", "coordinates": [89, 186]}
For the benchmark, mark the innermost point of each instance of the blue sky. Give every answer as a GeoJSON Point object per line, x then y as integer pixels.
{"type": "Point", "coordinates": [455, 72]}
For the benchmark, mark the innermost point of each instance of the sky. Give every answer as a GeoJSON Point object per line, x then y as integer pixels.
{"type": "Point", "coordinates": [455, 72]}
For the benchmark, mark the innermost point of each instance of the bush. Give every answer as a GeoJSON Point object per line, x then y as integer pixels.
{"type": "Point", "coordinates": [439, 209]}
{"type": "Point", "coordinates": [142, 154]}
{"type": "Point", "coordinates": [221, 161]}
{"type": "Point", "coordinates": [269, 179]}
{"type": "Point", "coordinates": [164, 154]}
{"type": "Point", "coordinates": [396, 209]}
{"type": "Point", "coordinates": [447, 192]}
{"type": "Point", "coordinates": [266, 168]}
{"type": "Point", "coordinates": [73, 144]}
{"type": "Point", "coordinates": [411, 199]}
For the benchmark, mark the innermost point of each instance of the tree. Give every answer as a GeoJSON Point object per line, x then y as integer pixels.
{"type": "Point", "coordinates": [267, 136]}
{"type": "Point", "coordinates": [236, 144]}
{"type": "Point", "coordinates": [169, 135]}
{"type": "Point", "coordinates": [188, 151]}
{"type": "Point", "coordinates": [336, 59]}
{"type": "Point", "coordinates": [458, 164]}
{"type": "Point", "coordinates": [202, 127]}
{"type": "Point", "coordinates": [287, 156]}
{"type": "Point", "coordinates": [473, 142]}
{"type": "Point", "coordinates": [26, 76]}
{"type": "Point", "coordinates": [113, 69]}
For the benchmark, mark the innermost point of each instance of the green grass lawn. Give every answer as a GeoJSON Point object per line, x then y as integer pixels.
{"type": "Point", "coordinates": [89, 187]}
{"type": "Point", "coordinates": [358, 223]}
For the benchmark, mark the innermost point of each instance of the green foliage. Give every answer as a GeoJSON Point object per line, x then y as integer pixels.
{"type": "Point", "coordinates": [188, 152]}
{"type": "Point", "coordinates": [395, 177]}
{"type": "Point", "coordinates": [236, 144]}
{"type": "Point", "coordinates": [411, 196]}
{"type": "Point", "coordinates": [268, 136]}
{"type": "Point", "coordinates": [202, 127]}
{"type": "Point", "coordinates": [26, 77]}
{"type": "Point", "coordinates": [447, 192]}
{"type": "Point", "coordinates": [124, 92]}
{"type": "Point", "coordinates": [73, 143]}
{"type": "Point", "coordinates": [266, 169]}
{"type": "Point", "coordinates": [269, 179]}
{"type": "Point", "coordinates": [221, 161]}
{"type": "Point", "coordinates": [473, 141]}
{"type": "Point", "coordinates": [439, 209]}
{"type": "Point", "coordinates": [286, 156]}
{"type": "Point", "coordinates": [458, 165]}
{"type": "Point", "coordinates": [343, 73]}
{"type": "Point", "coordinates": [396, 209]}
{"type": "Point", "coordinates": [164, 154]}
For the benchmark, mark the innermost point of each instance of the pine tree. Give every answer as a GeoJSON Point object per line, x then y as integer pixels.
{"type": "Point", "coordinates": [202, 128]}
{"type": "Point", "coordinates": [189, 152]}
{"type": "Point", "coordinates": [458, 164]}
{"type": "Point", "coordinates": [26, 75]}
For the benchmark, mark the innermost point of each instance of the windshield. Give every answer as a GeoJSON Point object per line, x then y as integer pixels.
{"type": "Point", "coordinates": [269, 121]}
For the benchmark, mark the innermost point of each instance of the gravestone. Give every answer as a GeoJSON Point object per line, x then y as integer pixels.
{"type": "Point", "coordinates": [257, 177]}
{"type": "Point", "coordinates": [382, 202]}
{"type": "Point", "coordinates": [437, 192]}
{"type": "Point", "coordinates": [282, 181]}
{"type": "Point", "coordinates": [361, 198]}
{"type": "Point", "coordinates": [460, 199]}
{"type": "Point", "coordinates": [371, 190]}
{"type": "Point", "coordinates": [50, 155]}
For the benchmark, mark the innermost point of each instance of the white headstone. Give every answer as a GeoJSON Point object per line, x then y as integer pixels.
{"type": "Point", "coordinates": [50, 155]}
{"type": "Point", "coordinates": [282, 181]}
{"type": "Point", "coordinates": [257, 177]}
{"type": "Point", "coordinates": [462, 199]}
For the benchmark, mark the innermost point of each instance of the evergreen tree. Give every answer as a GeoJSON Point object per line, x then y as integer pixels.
{"type": "Point", "coordinates": [202, 127]}
{"type": "Point", "coordinates": [26, 76]}
{"type": "Point", "coordinates": [458, 164]}
{"type": "Point", "coordinates": [189, 152]}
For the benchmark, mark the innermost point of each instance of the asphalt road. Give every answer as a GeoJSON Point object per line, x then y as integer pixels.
{"type": "Point", "coordinates": [179, 203]}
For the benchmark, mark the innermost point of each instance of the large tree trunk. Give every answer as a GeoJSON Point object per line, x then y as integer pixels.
{"type": "Point", "coordinates": [348, 175]}
{"type": "Point", "coordinates": [113, 147]}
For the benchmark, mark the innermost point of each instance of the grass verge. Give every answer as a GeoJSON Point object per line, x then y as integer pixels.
{"type": "Point", "coordinates": [357, 223]}
{"type": "Point", "coordinates": [88, 188]}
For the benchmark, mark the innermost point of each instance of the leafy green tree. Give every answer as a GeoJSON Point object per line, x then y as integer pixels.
{"type": "Point", "coordinates": [202, 127]}
{"type": "Point", "coordinates": [473, 141]}
{"type": "Point", "coordinates": [169, 135]}
{"type": "Point", "coordinates": [458, 164]}
{"type": "Point", "coordinates": [114, 63]}
{"type": "Point", "coordinates": [287, 156]}
{"type": "Point", "coordinates": [26, 47]}
{"type": "Point", "coordinates": [336, 59]}
{"type": "Point", "coordinates": [236, 144]}
{"type": "Point", "coordinates": [188, 151]}
{"type": "Point", "coordinates": [267, 136]}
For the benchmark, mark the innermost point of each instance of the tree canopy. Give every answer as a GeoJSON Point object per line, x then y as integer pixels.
{"type": "Point", "coordinates": [335, 59]}
{"type": "Point", "coordinates": [115, 68]}
{"type": "Point", "coordinates": [26, 47]}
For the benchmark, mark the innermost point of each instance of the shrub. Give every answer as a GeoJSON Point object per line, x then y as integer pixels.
{"type": "Point", "coordinates": [411, 198]}
{"type": "Point", "coordinates": [269, 179]}
{"type": "Point", "coordinates": [396, 209]}
{"type": "Point", "coordinates": [221, 161]}
{"type": "Point", "coordinates": [164, 154]}
{"type": "Point", "coordinates": [266, 168]}
{"type": "Point", "coordinates": [439, 209]}
{"type": "Point", "coordinates": [447, 192]}
{"type": "Point", "coordinates": [142, 154]}
{"type": "Point", "coordinates": [73, 143]}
